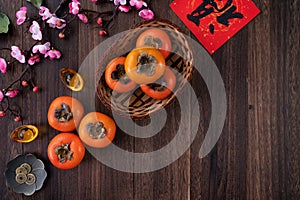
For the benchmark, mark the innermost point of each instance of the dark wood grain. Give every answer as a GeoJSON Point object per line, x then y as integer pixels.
{"type": "Point", "coordinates": [257, 155]}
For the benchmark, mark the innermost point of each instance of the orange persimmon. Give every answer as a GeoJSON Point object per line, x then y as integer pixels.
{"type": "Point", "coordinates": [156, 38]}
{"type": "Point", "coordinates": [66, 151]}
{"type": "Point", "coordinates": [97, 130]}
{"type": "Point", "coordinates": [144, 65]}
{"type": "Point", "coordinates": [116, 77]}
{"type": "Point", "coordinates": [163, 88]}
{"type": "Point", "coordinates": [65, 113]}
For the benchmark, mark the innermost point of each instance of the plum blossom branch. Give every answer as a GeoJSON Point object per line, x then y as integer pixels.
{"type": "Point", "coordinates": [29, 58]}
{"type": "Point", "coordinates": [42, 49]}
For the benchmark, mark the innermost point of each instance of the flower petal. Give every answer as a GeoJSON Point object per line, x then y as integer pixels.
{"type": "Point", "coordinates": [1, 96]}
{"type": "Point", "coordinates": [3, 65]}
{"type": "Point", "coordinates": [146, 14]}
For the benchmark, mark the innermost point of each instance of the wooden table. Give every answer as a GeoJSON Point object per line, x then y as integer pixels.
{"type": "Point", "coordinates": [257, 155]}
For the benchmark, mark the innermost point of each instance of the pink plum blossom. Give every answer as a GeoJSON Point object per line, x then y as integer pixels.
{"type": "Point", "coordinates": [138, 4]}
{"type": "Point", "coordinates": [12, 93]}
{"type": "Point", "coordinates": [35, 29]}
{"type": "Point", "coordinates": [34, 59]}
{"type": "Point", "coordinates": [1, 96]}
{"type": "Point", "coordinates": [3, 65]}
{"type": "Point", "coordinates": [42, 48]}
{"type": "Point", "coordinates": [94, 0]}
{"type": "Point", "coordinates": [83, 18]}
{"type": "Point", "coordinates": [124, 8]}
{"type": "Point", "coordinates": [2, 113]}
{"type": "Point", "coordinates": [55, 22]}
{"type": "Point", "coordinates": [74, 7]}
{"type": "Point", "coordinates": [17, 54]}
{"type": "Point", "coordinates": [118, 2]}
{"type": "Point", "coordinates": [53, 54]}
{"type": "Point", "coordinates": [146, 14]}
{"type": "Point", "coordinates": [21, 15]}
{"type": "Point", "coordinates": [45, 13]}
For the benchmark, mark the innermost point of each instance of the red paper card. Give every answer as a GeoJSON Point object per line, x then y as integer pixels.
{"type": "Point", "coordinates": [214, 22]}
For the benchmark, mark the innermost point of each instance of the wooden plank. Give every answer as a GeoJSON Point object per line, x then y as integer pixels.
{"type": "Point", "coordinates": [257, 155]}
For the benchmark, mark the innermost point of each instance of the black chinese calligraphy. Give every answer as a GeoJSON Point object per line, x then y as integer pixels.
{"type": "Point", "coordinates": [207, 7]}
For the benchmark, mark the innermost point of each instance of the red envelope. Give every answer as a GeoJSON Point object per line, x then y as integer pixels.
{"type": "Point", "coordinates": [214, 22]}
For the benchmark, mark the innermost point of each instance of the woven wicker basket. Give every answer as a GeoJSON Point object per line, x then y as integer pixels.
{"type": "Point", "coordinates": [139, 105]}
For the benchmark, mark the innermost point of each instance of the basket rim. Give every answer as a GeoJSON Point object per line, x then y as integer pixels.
{"type": "Point", "coordinates": [170, 100]}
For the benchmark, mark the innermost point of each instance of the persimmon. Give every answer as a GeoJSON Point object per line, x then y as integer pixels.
{"type": "Point", "coordinates": [66, 151]}
{"type": "Point", "coordinates": [162, 88]}
{"type": "Point", "coordinates": [156, 38]}
{"type": "Point", "coordinates": [65, 113]}
{"type": "Point", "coordinates": [97, 130]}
{"type": "Point", "coordinates": [144, 65]}
{"type": "Point", "coordinates": [116, 78]}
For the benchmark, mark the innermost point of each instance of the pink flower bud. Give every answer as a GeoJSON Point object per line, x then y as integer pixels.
{"type": "Point", "coordinates": [99, 21]}
{"type": "Point", "coordinates": [61, 35]}
{"type": "Point", "coordinates": [83, 18]}
{"type": "Point", "coordinates": [18, 119]}
{"type": "Point", "coordinates": [12, 93]}
{"type": "Point", "coordinates": [102, 33]}
{"type": "Point", "coordinates": [24, 83]}
{"type": "Point", "coordinates": [3, 65]}
{"type": "Point", "coordinates": [34, 59]}
{"type": "Point", "coordinates": [2, 113]}
{"type": "Point", "coordinates": [146, 14]}
{"type": "Point", "coordinates": [35, 89]}
{"type": "Point", "coordinates": [1, 96]}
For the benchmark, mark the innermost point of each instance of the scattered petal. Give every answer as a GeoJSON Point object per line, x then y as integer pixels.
{"type": "Point", "coordinates": [17, 54]}
{"type": "Point", "coordinates": [3, 65]}
{"type": "Point", "coordinates": [146, 14]}
{"type": "Point", "coordinates": [21, 15]}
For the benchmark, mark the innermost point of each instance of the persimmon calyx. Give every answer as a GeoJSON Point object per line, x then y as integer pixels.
{"type": "Point", "coordinates": [146, 64]}
{"type": "Point", "coordinates": [119, 74]}
{"type": "Point", "coordinates": [96, 131]}
{"type": "Point", "coordinates": [154, 42]}
{"type": "Point", "coordinates": [64, 153]}
{"type": "Point", "coordinates": [63, 114]}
